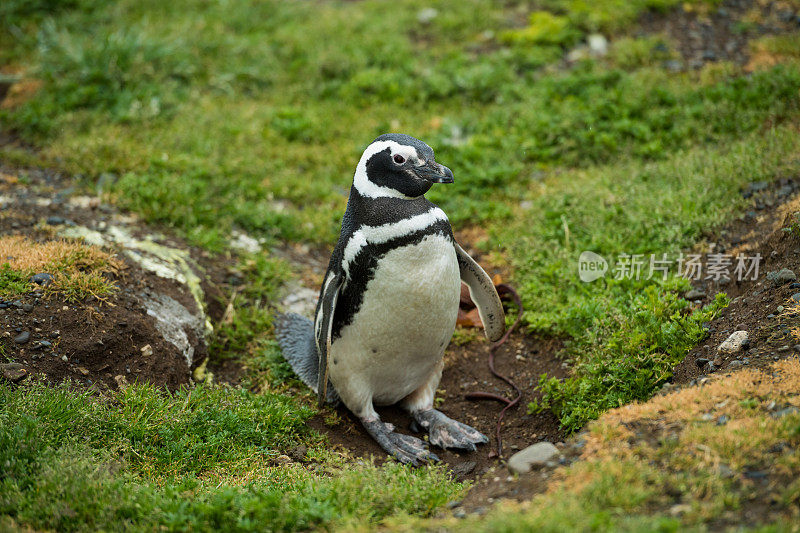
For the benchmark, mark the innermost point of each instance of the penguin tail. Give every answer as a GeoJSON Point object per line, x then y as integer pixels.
{"type": "Point", "coordinates": [296, 338]}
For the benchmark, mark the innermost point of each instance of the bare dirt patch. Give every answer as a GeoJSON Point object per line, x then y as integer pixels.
{"type": "Point", "coordinates": [522, 358]}
{"type": "Point", "coordinates": [704, 35]}
{"type": "Point", "coordinates": [101, 342]}
{"type": "Point", "coordinates": [761, 306]}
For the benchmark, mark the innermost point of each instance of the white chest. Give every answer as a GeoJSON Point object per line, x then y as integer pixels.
{"type": "Point", "coordinates": [405, 321]}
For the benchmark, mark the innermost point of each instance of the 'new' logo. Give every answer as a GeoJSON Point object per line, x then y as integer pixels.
{"type": "Point", "coordinates": [591, 266]}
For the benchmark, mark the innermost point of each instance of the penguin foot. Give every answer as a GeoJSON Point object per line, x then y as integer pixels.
{"type": "Point", "coordinates": [404, 448]}
{"type": "Point", "coordinates": [446, 433]}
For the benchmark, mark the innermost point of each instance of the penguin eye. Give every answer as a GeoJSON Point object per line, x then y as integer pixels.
{"type": "Point", "coordinates": [399, 159]}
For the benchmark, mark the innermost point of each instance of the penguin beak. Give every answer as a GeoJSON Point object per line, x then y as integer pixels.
{"type": "Point", "coordinates": [434, 172]}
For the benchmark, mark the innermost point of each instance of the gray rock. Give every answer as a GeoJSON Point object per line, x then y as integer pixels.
{"type": "Point", "coordinates": [796, 297]}
{"type": "Point", "coordinates": [426, 15]}
{"type": "Point", "coordinates": [43, 279]}
{"type": "Point", "coordinates": [695, 294]}
{"type": "Point", "coordinates": [784, 275]}
{"type": "Point", "coordinates": [300, 300]}
{"type": "Point", "coordinates": [175, 322]}
{"type": "Point", "coordinates": [724, 471]}
{"type": "Point", "coordinates": [737, 341]}
{"type": "Point", "coordinates": [23, 337]}
{"type": "Point", "coordinates": [245, 243]}
{"type": "Point", "coordinates": [462, 469]}
{"type": "Point", "coordinates": [709, 55]}
{"type": "Point", "coordinates": [598, 44]}
{"type": "Point", "coordinates": [577, 54]}
{"type": "Point", "coordinates": [535, 455]}
{"type": "Point", "coordinates": [733, 365]}
{"type": "Point", "coordinates": [13, 372]}
{"type": "Point", "coordinates": [785, 411]}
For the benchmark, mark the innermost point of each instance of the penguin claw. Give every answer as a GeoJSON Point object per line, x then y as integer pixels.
{"type": "Point", "coordinates": [447, 433]}
{"type": "Point", "coordinates": [404, 448]}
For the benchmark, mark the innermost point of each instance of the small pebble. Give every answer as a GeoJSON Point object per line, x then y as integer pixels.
{"type": "Point", "coordinates": [785, 411]}
{"type": "Point", "coordinates": [23, 337]}
{"type": "Point", "coordinates": [43, 279]}
{"type": "Point", "coordinates": [695, 294]}
{"type": "Point", "coordinates": [735, 342]}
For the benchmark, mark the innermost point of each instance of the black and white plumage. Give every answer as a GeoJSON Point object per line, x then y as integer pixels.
{"type": "Point", "coordinates": [389, 301]}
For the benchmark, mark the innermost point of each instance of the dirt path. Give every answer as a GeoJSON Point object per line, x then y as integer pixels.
{"type": "Point", "coordinates": [522, 358]}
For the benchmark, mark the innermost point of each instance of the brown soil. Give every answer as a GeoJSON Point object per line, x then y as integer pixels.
{"type": "Point", "coordinates": [522, 358]}
{"type": "Point", "coordinates": [722, 34]}
{"type": "Point", "coordinates": [754, 305]}
{"type": "Point", "coordinates": [95, 343]}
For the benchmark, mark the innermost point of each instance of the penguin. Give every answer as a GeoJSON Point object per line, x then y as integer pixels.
{"type": "Point", "coordinates": [389, 301]}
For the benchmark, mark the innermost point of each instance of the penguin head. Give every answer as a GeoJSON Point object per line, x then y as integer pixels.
{"type": "Point", "coordinates": [399, 166]}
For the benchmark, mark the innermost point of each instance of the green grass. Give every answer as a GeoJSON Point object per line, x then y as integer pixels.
{"type": "Point", "coordinates": [210, 118]}
{"type": "Point", "coordinates": [195, 460]}
{"type": "Point", "coordinates": [13, 282]}
{"type": "Point", "coordinates": [626, 335]}
{"type": "Point", "coordinates": [250, 123]}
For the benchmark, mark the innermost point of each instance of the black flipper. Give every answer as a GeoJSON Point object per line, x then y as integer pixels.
{"type": "Point", "coordinates": [296, 338]}
{"type": "Point", "coordinates": [483, 293]}
{"type": "Point", "coordinates": [326, 308]}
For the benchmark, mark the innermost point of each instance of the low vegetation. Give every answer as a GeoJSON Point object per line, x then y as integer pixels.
{"type": "Point", "coordinates": [699, 459]}
{"type": "Point", "coordinates": [75, 270]}
{"type": "Point", "coordinates": [200, 459]}
{"type": "Point", "coordinates": [209, 118]}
